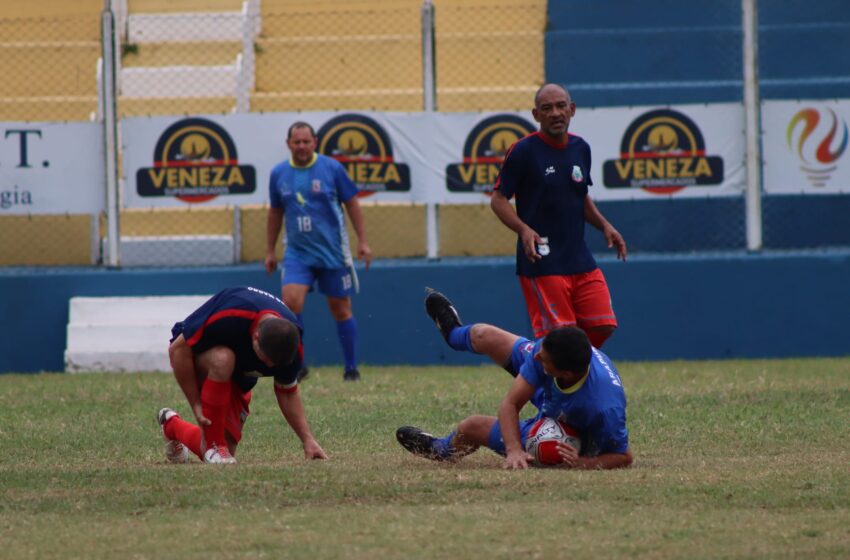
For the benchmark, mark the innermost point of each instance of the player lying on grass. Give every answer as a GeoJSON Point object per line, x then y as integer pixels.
{"type": "Point", "coordinates": [561, 374]}
{"type": "Point", "coordinates": [217, 353]}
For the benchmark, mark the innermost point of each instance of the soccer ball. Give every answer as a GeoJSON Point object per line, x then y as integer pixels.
{"type": "Point", "coordinates": [543, 438]}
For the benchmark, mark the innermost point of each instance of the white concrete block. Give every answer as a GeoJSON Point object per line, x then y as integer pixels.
{"type": "Point", "coordinates": [185, 27]}
{"type": "Point", "coordinates": [122, 334]}
{"type": "Point", "coordinates": [179, 81]}
{"type": "Point", "coordinates": [129, 311]}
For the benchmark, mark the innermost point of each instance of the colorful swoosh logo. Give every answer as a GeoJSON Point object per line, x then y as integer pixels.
{"type": "Point", "coordinates": [810, 118]}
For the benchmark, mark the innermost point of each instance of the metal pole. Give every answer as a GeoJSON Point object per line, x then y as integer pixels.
{"type": "Point", "coordinates": [429, 104]}
{"type": "Point", "coordinates": [428, 81]}
{"type": "Point", "coordinates": [237, 234]}
{"type": "Point", "coordinates": [752, 112]}
{"type": "Point", "coordinates": [110, 135]}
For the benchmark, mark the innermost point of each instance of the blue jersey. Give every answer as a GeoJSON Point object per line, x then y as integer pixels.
{"type": "Point", "coordinates": [550, 184]}
{"type": "Point", "coordinates": [311, 198]}
{"type": "Point", "coordinates": [596, 406]}
{"type": "Point", "coordinates": [229, 319]}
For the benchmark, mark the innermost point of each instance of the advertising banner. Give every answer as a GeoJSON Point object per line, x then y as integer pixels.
{"type": "Point", "coordinates": [51, 168]}
{"type": "Point", "coordinates": [638, 153]}
{"type": "Point", "coordinates": [805, 147]}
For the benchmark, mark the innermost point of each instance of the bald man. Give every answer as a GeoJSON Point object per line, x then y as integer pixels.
{"type": "Point", "coordinates": [548, 172]}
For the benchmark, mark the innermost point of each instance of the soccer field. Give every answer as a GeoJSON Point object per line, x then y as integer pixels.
{"type": "Point", "coordinates": [734, 459]}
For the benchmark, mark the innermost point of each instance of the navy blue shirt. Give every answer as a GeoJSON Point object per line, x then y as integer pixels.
{"type": "Point", "coordinates": [550, 184]}
{"type": "Point", "coordinates": [229, 319]}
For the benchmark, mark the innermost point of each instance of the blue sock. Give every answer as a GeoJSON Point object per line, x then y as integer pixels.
{"type": "Point", "coordinates": [460, 339]}
{"type": "Point", "coordinates": [443, 446]}
{"type": "Point", "coordinates": [347, 332]}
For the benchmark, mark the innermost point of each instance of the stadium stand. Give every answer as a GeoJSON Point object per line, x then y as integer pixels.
{"type": "Point", "coordinates": [181, 58]}
{"type": "Point", "coordinates": [799, 49]}
{"type": "Point", "coordinates": [327, 55]}
{"type": "Point", "coordinates": [48, 59]}
{"type": "Point", "coordinates": [489, 53]}
{"type": "Point", "coordinates": [619, 52]}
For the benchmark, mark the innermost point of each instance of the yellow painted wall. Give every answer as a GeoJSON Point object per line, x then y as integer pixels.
{"type": "Point", "coordinates": [46, 240]}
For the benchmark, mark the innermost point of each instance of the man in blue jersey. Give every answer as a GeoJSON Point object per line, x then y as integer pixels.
{"type": "Point", "coordinates": [549, 174]}
{"type": "Point", "coordinates": [561, 374]}
{"type": "Point", "coordinates": [217, 353]}
{"type": "Point", "coordinates": [308, 191]}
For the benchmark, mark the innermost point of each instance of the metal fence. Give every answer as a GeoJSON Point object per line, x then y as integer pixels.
{"type": "Point", "coordinates": [275, 56]}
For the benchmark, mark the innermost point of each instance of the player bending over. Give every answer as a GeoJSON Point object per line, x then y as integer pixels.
{"type": "Point", "coordinates": [217, 353]}
{"type": "Point", "coordinates": [561, 374]}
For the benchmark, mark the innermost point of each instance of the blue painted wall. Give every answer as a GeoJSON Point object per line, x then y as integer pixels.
{"type": "Point", "coordinates": [723, 306]}
{"type": "Point", "coordinates": [659, 52]}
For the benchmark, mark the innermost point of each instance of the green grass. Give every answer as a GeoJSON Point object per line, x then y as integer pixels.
{"type": "Point", "coordinates": [734, 459]}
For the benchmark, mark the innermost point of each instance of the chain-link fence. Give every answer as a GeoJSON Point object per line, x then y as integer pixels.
{"type": "Point", "coordinates": [176, 63]}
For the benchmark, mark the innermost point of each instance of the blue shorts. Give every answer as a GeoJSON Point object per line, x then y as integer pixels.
{"type": "Point", "coordinates": [334, 282]}
{"type": "Point", "coordinates": [494, 440]}
{"type": "Point", "coordinates": [520, 353]}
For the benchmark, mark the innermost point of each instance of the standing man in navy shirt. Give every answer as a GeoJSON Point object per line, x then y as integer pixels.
{"type": "Point", "coordinates": [549, 173]}
{"type": "Point", "coordinates": [217, 353]}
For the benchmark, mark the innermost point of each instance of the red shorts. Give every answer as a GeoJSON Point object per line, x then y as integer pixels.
{"type": "Point", "coordinates": [575, 299]}
{"type": "Point", "coordinates": [237, 413]}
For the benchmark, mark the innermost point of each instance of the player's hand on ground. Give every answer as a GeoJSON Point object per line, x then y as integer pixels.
{"type": "Point", "coordinates": [312, 450]}
{"type": "Point", "coordinates": [517, 461]}
{"type": "Point", "coordinates": [530, 239]}
{"type": "Point", "coordinates": [568, 454]}
{"type": "Point", "coordinates": [364, 253]}
{"type": "Point", "coordinates": [270, 263]}
{"type": "Point", "coordinates": [199, 415]}
{"type": "Point", "coordinates": [614, 239]}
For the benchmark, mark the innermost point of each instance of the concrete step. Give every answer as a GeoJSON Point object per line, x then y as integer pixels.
{"type": "Point", "coordinates": [132, 311]}
{"type": "Point", "coordinates": [123, 334]}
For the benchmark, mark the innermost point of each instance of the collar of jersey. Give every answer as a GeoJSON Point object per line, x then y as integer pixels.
{"type": "Point", "coordinates": [311, 164]}
{"type": "Point", "coordinates": [574, 388]}
{"type": "Point", "coordinates": [549, 142]}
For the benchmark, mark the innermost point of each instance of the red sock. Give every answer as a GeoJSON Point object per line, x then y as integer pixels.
{"type": "Point", "coordinates": [215, 400]}
{"type": "Point", "coordinates": [184, 432]}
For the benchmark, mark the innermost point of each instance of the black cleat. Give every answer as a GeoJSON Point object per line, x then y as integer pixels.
{"type": "Point", "coordinates": [442, 312]}
{"type": "Point", "coordinates": [418, 442]}
{"type": "Point", "coordinates": [303, 373]}
{"type": "Point", "coordinates": [351, 375]}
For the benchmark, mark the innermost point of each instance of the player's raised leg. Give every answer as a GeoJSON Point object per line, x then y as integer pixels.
{"type": "Point", "coordinates": [479, 338]}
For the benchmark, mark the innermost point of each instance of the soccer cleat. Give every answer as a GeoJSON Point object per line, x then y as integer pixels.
{"type": "Point", "coordinates": [303, 373]}
{"type": "Point", "coordinates": [175, 452]}
{"type": "Point", "coordinates": [418, 442]}
{"type": "Point", "coordinates": [219, 455]}
{"type": "Point", "coordinates": [351, 375]}
{"type": "Point", "coordinates": [442, 312]}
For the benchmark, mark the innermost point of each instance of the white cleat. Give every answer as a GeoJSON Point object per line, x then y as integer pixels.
{"type": "Point", "coordinates": [219, 456]}
{"type": "Point", "coordinates": [175, 452]}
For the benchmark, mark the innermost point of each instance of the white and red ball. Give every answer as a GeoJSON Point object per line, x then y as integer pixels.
{"type": "Point", "coordinates": [543, 438]}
